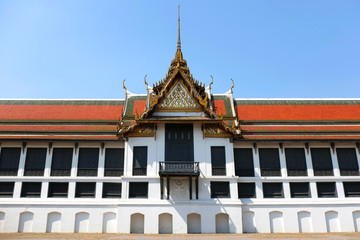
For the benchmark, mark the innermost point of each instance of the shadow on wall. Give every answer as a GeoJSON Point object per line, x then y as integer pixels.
{"type": "Point", "coordinates": [2, 221]}
{"type": "Point", "coordinates": [248, 220]}
{"type": "Point", "coordinates": [356, 219]}
{"type": "Point", "coordinates": [82, 222]}
{"type": "Point", "coordinates": [276, 222]}
{"type": "Point", "coordinates": [26, 222]}
{"type": "Point", "coordinates": [109, 223]}
{"type": "Point", "coordinates": [304, 221]}
{"type": "Point", "coordinates": [332, 221]}
{"type": "Point", "coordinates": [53, 222]}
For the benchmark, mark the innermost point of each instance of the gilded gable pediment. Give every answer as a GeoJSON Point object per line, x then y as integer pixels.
{"type": "Point", "coordinates": [178, 100]}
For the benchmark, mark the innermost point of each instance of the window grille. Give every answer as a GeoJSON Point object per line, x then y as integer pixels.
{"type": "Point", "coordinates": [9, 161]}
{"type": "Point", "coordinates": [35, 161]}
{"type": "Point", "coordinates": [220, 189]}
{"type": "Point", "coordinates": [269, 162]}
{"type": "Point", "coordinates": [111, 190]}
{"type": "Point", "coordinates": [88, 162]}
{"type": "Point", "coordinates": [114, 162]}
{"type": "Point", "coordinates": [218, 161]}
{"type": "Point", "coordinates": [61, 161]}
{"type": "Point", "coordinates": [244, 164]}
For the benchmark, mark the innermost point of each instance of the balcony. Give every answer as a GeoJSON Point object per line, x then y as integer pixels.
{"type": "Point", "coordinates": [179, 169]}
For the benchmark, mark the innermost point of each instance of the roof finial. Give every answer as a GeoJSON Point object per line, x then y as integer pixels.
{"type": "Point", "coordinates": [179, 42]}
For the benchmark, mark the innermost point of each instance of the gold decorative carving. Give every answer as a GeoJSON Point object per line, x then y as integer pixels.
{"type": "Point", "coordinates": [211, 130]}
{"type": "Point", "coordinates": [178, 100]}
{"type": "Point", "coordinates": [143, 130]}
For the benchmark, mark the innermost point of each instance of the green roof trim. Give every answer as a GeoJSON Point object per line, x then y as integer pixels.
{"type": "Point", "coordinates": [297, 102]}
{"type": "Point", "coordinates": [227, 103]}
{"type": "Point", "coordinates": [130, 105]}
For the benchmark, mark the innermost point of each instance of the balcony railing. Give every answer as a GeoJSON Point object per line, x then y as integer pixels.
{"type": "Point", "coordinates": [179, 168]}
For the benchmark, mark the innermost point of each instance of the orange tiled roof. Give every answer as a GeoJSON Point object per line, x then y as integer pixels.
{"type": "Point", "coordinates": [60, 119]}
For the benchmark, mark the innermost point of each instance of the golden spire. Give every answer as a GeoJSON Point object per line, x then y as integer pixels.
{"type": "Point", "coordinates": [178, 55]}
{"type": "Point", "coordinates": [178, 62]}
{"type": "Point", "coordinates": [179, 42]}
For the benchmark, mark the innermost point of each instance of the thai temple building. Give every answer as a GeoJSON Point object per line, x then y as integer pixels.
{"type": "Point", "coordinates": [180, 158]}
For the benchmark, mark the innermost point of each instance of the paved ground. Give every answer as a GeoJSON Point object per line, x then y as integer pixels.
{"type": "Point", "coordinates": [103, 236]}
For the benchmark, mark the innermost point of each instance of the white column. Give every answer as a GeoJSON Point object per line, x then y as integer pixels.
{"type": "Point", "coordinates": [17, 189]}
{"type": "Point", "coordinates": [256, 162]}
{"type": "Point", "coordinates": [286, 186]}
{"type": "Point", "coordinates": [335, 163]}
{"type": "Point", "coordinates": [75, 162]}
{"type": "Point", "coordinates": [22, 162]}
{"type": "Point", "coordinates": [71, 191]}
{"type": "Point", "coordinates": [98, 190]}
{"type": "Point", "coordinates": [283, 163]}
{"type": "Point", "coordinates": [357, 151]}
{"type": "Point", "coordinates": [47, 169]}
{"type": "Point", "coordinates": [309, 165]}
{"type": "Point", "coordinates": [101, 164]}
{"type": "Point", "coordinates": [340, 189]}
{"type": "Point", "coordinates": [258, 184]}
{"type": "Point", "coordinates": [313, 189]}
{"type": "Point", "coordinates": [44, 190]}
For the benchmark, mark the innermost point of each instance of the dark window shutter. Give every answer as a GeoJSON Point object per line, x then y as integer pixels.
{"type": "Point", "coordinates": [348, 163]}
{"type": "Point", "coordinates": [220, 189]}
{"type": "Point", "coordinates": [9, 161]}
{"type": "Point", "coordinates": [88, 161]}
{"type": "Point", "coordinates": [352, 189]}
{"type": "Point", "coordinates": [273, 190]}
{"type": "Point", "coordinates": [295, 161]}
{"type": "Point", "coordinates": [140, 161]}
{"type": "Point", "coordinates": [85, 190]}
{"type": "Point", "coordinates": [111, 190]}
{"type": "Point", "coordinates": [218, 160]}
{"type": "Point", "coordinates": [269, 162]}
{"type": "Point", "coordinates": [61, 161]}
{"type": "Point", "coordinates": [321, 160]}
{"type": "Point", "coordinates": [31, 189]}
{"type": "Point", "coordinates": [246, 190]}
{"type": "Point", "coordinates": [6, 189]}
{"type": "Point", "coordinates": [114, 162]}
{"type": "Point", "coordinates": [138, 190]}
{"type": "Point", "coordinates": [244, 163]}
{"type": "Point", "coordinates": [58, 189]}
{"type": "Point", "coordinates": [326, 189]}
{"type": "Point", "coordinates": [35, 161]}
{"type": "Point", "coordinates": [300, 190]}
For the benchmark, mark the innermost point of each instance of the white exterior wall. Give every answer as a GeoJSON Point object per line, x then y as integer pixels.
{"type": "Point", "coordinates": [287, 207]}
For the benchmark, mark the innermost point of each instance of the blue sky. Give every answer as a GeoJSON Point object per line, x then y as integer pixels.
{"type": "Point", "coordinates": [272, 49]}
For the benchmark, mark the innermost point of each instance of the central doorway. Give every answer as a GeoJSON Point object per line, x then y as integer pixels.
{"type": "Point", "coordinates": [179, 143]}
